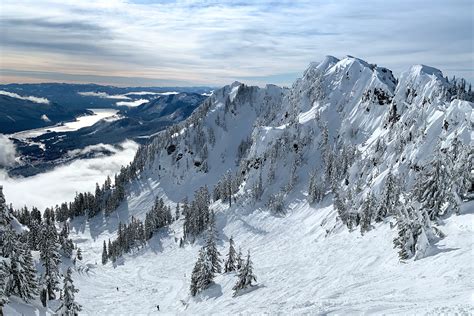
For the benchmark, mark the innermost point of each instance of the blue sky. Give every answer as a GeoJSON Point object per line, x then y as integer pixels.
{"type": "Point", "coordinates": [189, 42]}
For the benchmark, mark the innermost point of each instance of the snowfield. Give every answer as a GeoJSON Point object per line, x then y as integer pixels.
{"type": "Point", "coordinates": [300, 268]}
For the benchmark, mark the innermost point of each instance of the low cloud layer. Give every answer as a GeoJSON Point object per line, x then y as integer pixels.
{"type": "Point", "coordinates": [7, 152]}
{"type": "Point", "coordinates": [132, 103]}
{"type": "Point", "coordinates": [104, 95]}
{"type": "Point", "coordinates": [62, 183]}
{"type": "Point", "coordinates": [28, 98]}
{"type": "Point", "coordinates": [150, 93]}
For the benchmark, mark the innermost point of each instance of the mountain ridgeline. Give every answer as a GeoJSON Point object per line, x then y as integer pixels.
{"type": "Point", "coordinates": [378, 146]}
{"type": "Point", "coordinates": [381, 147]}
{"type": "Point", "coordinates": [348, 141]}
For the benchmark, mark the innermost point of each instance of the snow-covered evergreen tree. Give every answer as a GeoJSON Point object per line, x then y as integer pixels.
{"type": "Point", "coordinates": [5, 215]}
{"type": "Point", "coordinates": [389, 199]}
{"type": "Point", "coordinates": [202, 275]}
{"type": "Point", "coordinates": [211, 246]}
{"type": "Point", "coordinates": [367, 212]}
{"type": "Point", "coordinates": [69, 306]}
{"type": "Point", "coordinates": [239, 261]}
{"type": "Point", "coordinates": [5, 281]}
{"type": "Point", "coordinates": [104, 254]}
{"type": "Point", "coordinates": [23, 274]}
{"type": "Point", "coordinates": [316, 188]}
{"type": "Point", "coordinates": [50, 258]}
{"type": "Point", "coordinates": [245, 276]}
{"type": "Point", "coordinates": [79, 254]}
{"type": "Point", "coordinates": [67, 246]}
{"type": "Point", "coordinates": [415, 230]}
{"type": "Point", "coordinates": [231, 261]}
{"type": "Point", "coordinates": [434, 187]}
{"type": "Point", "coordinates": [257, 189]}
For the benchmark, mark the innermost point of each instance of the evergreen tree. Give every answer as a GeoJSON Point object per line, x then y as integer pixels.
{"type": "Point", "coordinates": [49, 254]}
{"type": "Point", "coordinates": [79, 254]}
{"type": "Point", "coordinates": [415, 231]}
{"type": "Point", "coordinates": [23, 274]}
{"type": "Point", "coordinates": [460, 158]}
{"type": "Point", "coordinates": [44, 296]}
{"type": "Point", "coordinates": [389, 200]}
{"type": "Point", "coordinates": [5, 215]}
{"type": "Point", "coordinates": [340, 206]}
{"type": "Point", "coordinates": [8, 242]}
{"type": "Point", "coordinates": [316, 188]}
{"type": "Point", "coordinates": [177, 211]}
{"type": "Point", "coordinates": [196, 215]}
{"type": "Point", "coordinates": [67, 245]}
{"type": "Point", "coordinates": [5, 282]}
{"type": "Point", "coordinates": [104, 254]}
{"type": "Point", "coordinates": [257, 189]}
{"type": "Point", "coordinates": [202, 275]}
{"type": "Point", "coordinates": [211, 247]}
{"type": "Point", "coordinates": [434, 187]}
{"type": "Point", "coordinates": [110, 254]}
{"type": "Point", "coordinates": [239, 261]}
{"type": "Point", "coordinates": [69, 306]}
{"type": "Point", "coordinates": [230, 264]}
{"type": "Point", "coordinates": [368, 209]}
{"type": "Point", "coordinates": [245, 276]}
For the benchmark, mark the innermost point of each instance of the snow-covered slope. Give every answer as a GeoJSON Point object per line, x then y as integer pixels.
{"type": "Point", "coordinates": [343, 131]}
{"type": "Point", "coordinates": [300, 270]}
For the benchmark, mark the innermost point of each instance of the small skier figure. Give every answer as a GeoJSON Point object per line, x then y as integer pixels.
{"type": "Point", "coordinates": [117, 288]}
{"type": "Point", "coordinates": [158, 307]}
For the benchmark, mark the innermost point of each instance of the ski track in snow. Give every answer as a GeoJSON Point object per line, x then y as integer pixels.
{"type": "Point", "coordinates": [341, 273]}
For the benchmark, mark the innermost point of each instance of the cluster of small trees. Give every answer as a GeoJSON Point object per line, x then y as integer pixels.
{"type": "Point", "coordinates": [226, 187]}
{"type": "Point", "coordinates": [136, 233]}
{"type": "Point", "coordinates": [439, 189]}
{"type": "Point", "coordinates": [197, 213]}
{"type": "Point", "coordinates": [159, 216]}
{"type": "Point", "coordinates": [208, 265]}
{"type": "Point", "coordinates": [129, 237]}
{"type": "Point", "coordinates": [106, 197]}
{"type": "Point", "coordinates": [459, 89]}
{"type": "Point", "coordinates": [18, 275]}
{"type": "Point", "coordinates": [415, 230]}
{"type": "Point", "coordinates": [244, 268]}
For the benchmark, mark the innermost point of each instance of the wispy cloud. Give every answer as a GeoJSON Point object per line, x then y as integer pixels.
{"type": "Point", "coordinates": [215, 42]}
{"type": "Point", "coordinates": [132, 103]}
{"type": "Point", "coordinates": [104, 95]}
{"type": "Point", "coordinates": [28, 97]}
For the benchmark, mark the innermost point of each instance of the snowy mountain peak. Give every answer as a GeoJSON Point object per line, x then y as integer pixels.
{"type": "Point", "coordinates": [322, 66]}
{"type": "Point", "coordinates": [420, 69]}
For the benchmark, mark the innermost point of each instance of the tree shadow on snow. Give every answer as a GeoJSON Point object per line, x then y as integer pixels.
{"type": "Point", "coordinates": [101, 223]}
{"type": "Point", "coordinates": [248, 290]}
{"type": "Point", "coordinates": [214, 291]}
{"type": "Point", "coordinates": [434, 251]}
{"type": "Point", "coordinates": [252, 228]}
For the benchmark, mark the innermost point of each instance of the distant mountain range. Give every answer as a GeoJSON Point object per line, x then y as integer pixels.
{"type": "Point", "coordinates": [142, 113]}
{"type": "Point", "coordinates": [18, 114]}
{"type": "Point", "coordinates": [81, 96]}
